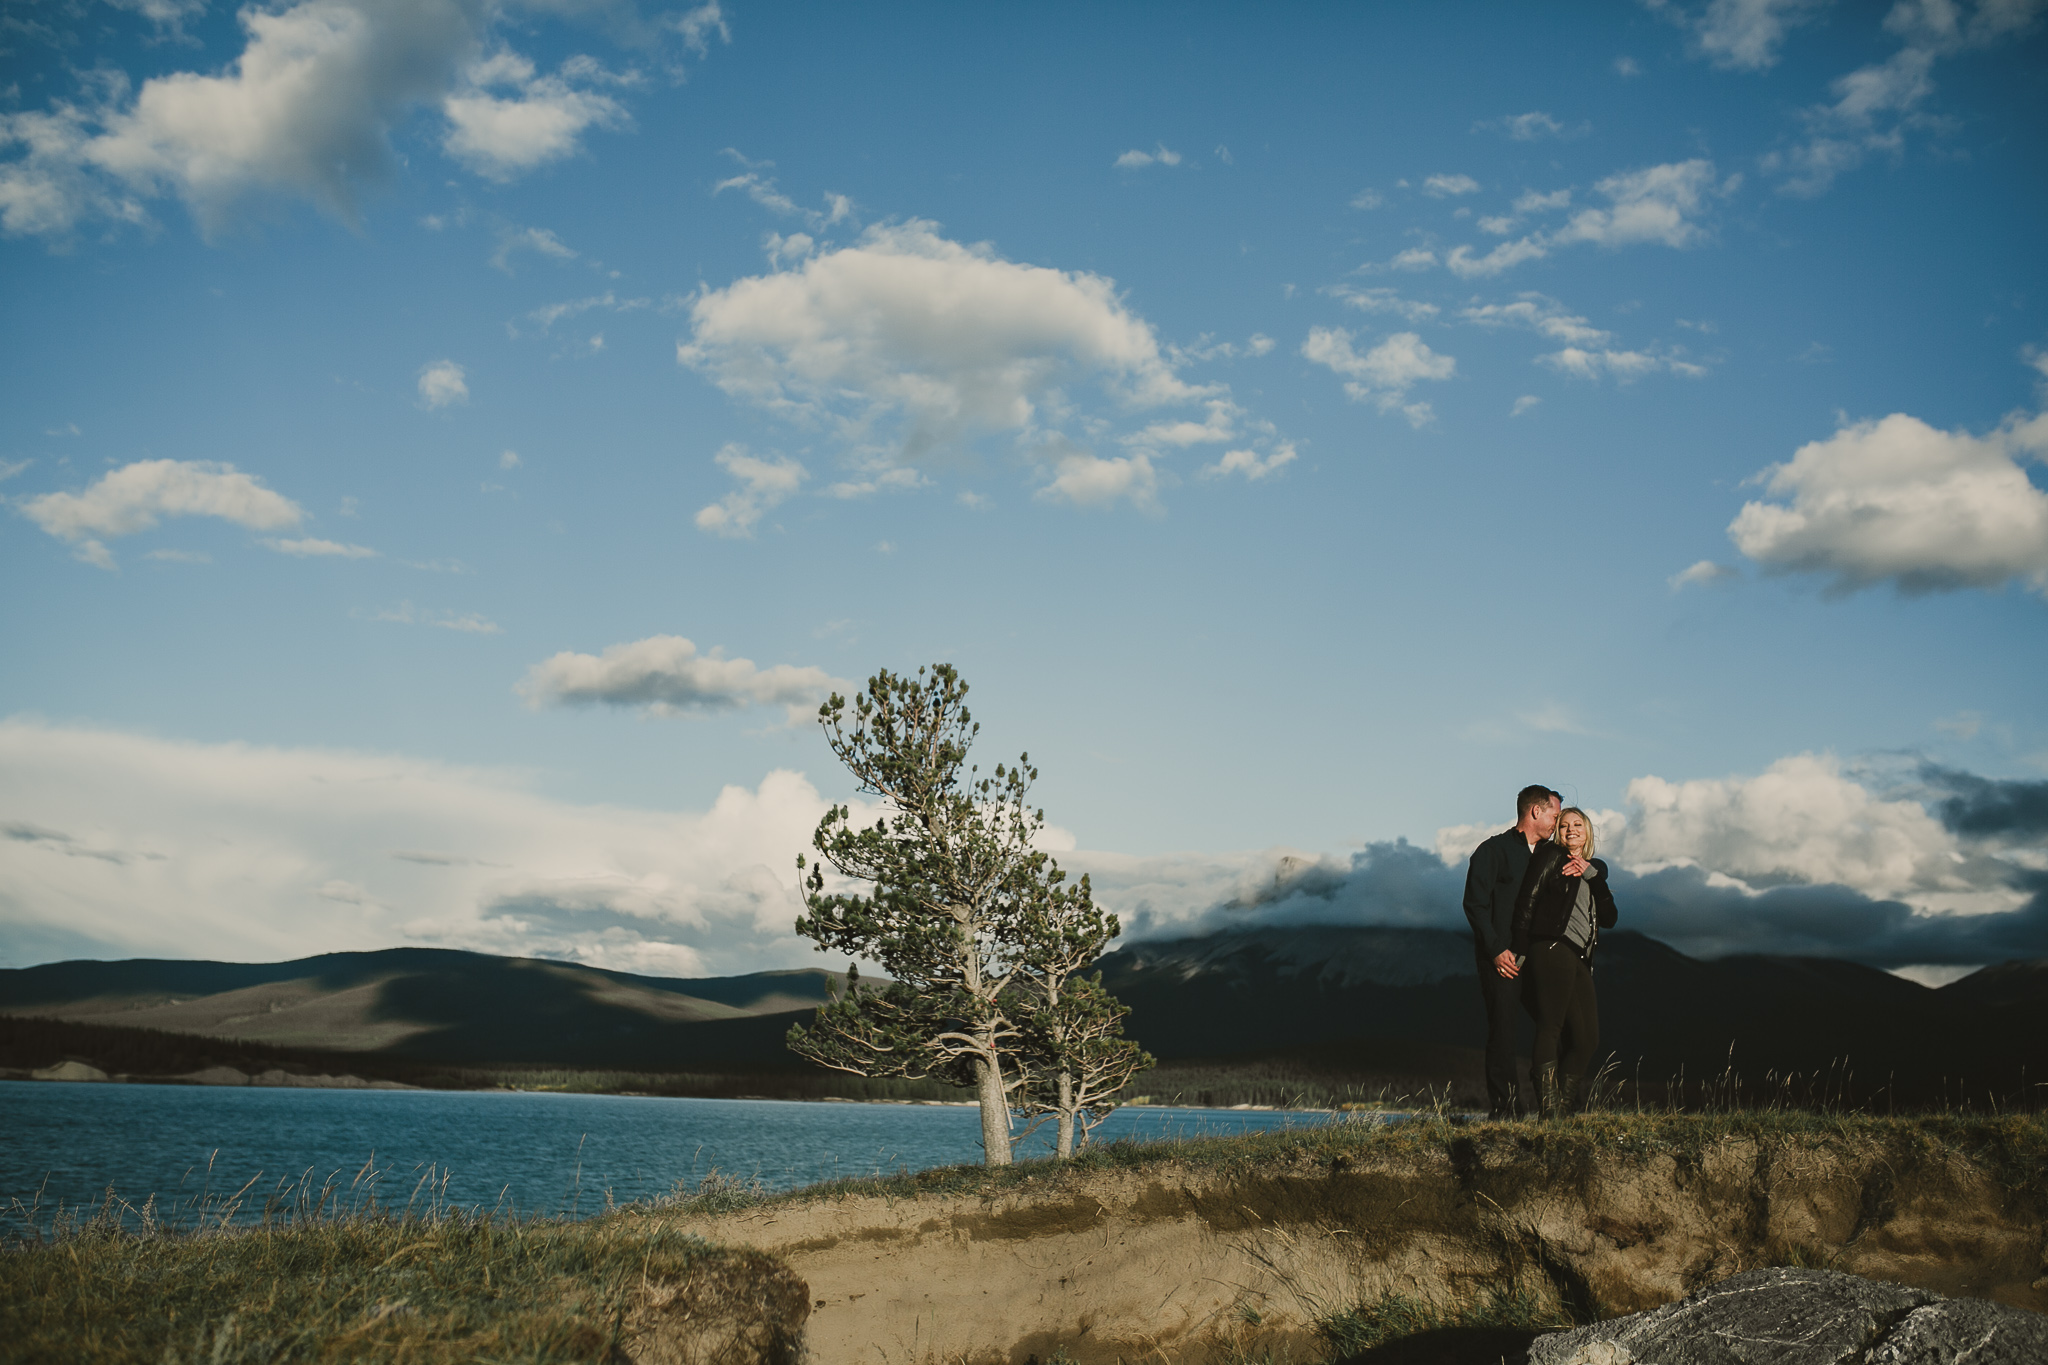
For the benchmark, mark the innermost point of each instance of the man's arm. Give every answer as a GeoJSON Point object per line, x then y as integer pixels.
{"type": "Point", "coordinates": [1479, 879]}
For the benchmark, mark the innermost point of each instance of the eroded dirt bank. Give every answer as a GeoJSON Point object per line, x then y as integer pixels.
{"type": "Point", "coordinates": [1192, 1255]}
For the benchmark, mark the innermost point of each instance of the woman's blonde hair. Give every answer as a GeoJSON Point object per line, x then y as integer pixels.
{"type": "Point", "coordinates": [1557, 834]}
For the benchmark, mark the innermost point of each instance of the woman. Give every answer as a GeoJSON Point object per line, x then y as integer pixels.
{"type": "Point", "coordinates": [1563, 905]}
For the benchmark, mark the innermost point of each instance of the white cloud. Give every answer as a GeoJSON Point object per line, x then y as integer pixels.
{"type": "Point", "coordinates": [1584, 363]}
{"type": "Point", "coordinates": [1656, 204]}
{"type": "Point", "coordinates": [664, 675]}
{"type": "Point", "coordinates": [762, 484]}
{"type": "Point", "coordinates": [1542, 315]}
{"type": "Point", "coordinates": [1531, 127]}
{"type": "Point", "coordinates": [1250, 463]}
{"type": "Point", "coordinates": [442, 383]}
{"type": "Point", "coordinates": [1449, 186]}
{"type": "Point", "coordinates": [306, 110]}
{"type": "Point", "coordinates": [1503, 257]}
{"type": "Point", "coordinates": [1367, 199]}
{"type": "Point", "coordinates": [1704, 571]}
{"type": "Point", "coordinates": [1626, 67]}
{"type": "Point", "coordinates": [1743, 35]}
{"type": "Point", "coordinates": [466, 623]}
{"type": "Point", "coordinates": [1524, 404]}
{"type": "Point", "coordinates": [1903, 502]}
{"type": "Point", "coordinates": [1135, 159]}
{"type": "Point", "coordinates": [941, 340]}
{"type": "Point", "coordinates": [1092, 481]}
{"type": "Point", "coordinates": [1532, 202]}
{"type": "Point", "coordinates": [1499, 227]}
{"type": "Point", "coordinates": [310, 548]}
{"type": "Point", "coordinates": [509, 459]}
{"type": "Point", "coordinates": [541, 241]}
{"type": "Point", "coordinates": [762, 190]}
{"type": "Point", "coordinates": [1414, 258]}
{"type": "Point", "coordinates": [610, 302]}
{"type": "Point", "coordinates": [541, 119]}
{"type": "Point", "coordinates": [180, 556]}
{"type": "Point", "coordinates": [132, 846]}
{"type": "Point", "coordinates": [1800, 820]}
{"type": "Point", "coordinates": [9, 468]}
{"type": "Point", "coordinates": [1384, 374]}
{"type": "Point", "coordinates": [697, 26]}
{"type": "Point", "coordinates": [133, 498]}
{"type": "Point", "coordinates": [1874, 106]}
{"type": "Point", "coordinates": [1219, 426]}
{"type": "Point", "coordinates": [1384, 301]}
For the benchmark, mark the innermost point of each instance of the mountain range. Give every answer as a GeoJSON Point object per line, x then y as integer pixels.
{"type": "Point", "coordinates": [1359, 998]}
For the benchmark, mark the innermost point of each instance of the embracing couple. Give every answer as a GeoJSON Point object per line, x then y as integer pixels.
{"type": "Point", "coordinates": [1537, 900]}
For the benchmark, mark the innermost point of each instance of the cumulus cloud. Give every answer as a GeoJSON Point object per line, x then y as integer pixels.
{"type": "Point", "coordinates": [909, 342]}
{"type": "Point", "coordinates": [762, 484]}
{"type": "Point", "coordinates": [442, 382]}
{"type": "Point", "coordinates": [1874, 106]}
{"type": "Point", "coordinates": [1094, 481]}
{"type": "Point", "coordinates": [1663, 205]}
{"type": "Point", "coordinates": [306, 111]}
{"type": "Point", "coordinates": [1250, 463]}
{"type": "Point", "coordinates": [117, 845]}
{"type": "Point", "coordinates": [1449, 186]}
{"type": "Point", "coordinates": [505, 120]}
{"type": "Point", "coordinates": [136, 496]}
{"type": "Point", "coordinates": [664, 675]}
{"type": "Point", "coordinates": [1703, 572]}
{"type": "Point", "coordinates": [1741, 35]}
{"type": "Point", "coordinates": [1384, 374]}
{"type": "Point", "coordinates": [1900, 501]}
{"type": "Point", "coordinates": [1524, 404]}
{"type": "Point", "coordinates": [1544, 316]}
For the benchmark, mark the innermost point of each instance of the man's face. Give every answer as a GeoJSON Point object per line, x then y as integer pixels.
{"type": "Point", "coordinates": [1546, 816]}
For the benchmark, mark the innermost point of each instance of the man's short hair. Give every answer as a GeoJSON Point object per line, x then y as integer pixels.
{"type": "Point", "coordinates": [1528, 798]}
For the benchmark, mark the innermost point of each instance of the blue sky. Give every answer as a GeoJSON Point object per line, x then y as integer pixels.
{"type": "Point", "coordinates": [450, 448]}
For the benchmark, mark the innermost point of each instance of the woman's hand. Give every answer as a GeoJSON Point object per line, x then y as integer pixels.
{"type": "Point", "coordinates": [1576, 867]}
{"type": "Point", "coordinates": [1506, 965]}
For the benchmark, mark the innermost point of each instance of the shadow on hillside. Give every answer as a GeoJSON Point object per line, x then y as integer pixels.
{"type": "Point", "coordinates": [1451, 1346]}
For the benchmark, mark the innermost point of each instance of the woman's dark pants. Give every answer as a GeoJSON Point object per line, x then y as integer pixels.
{"type": "Point", "coordinates": [1557, 988]}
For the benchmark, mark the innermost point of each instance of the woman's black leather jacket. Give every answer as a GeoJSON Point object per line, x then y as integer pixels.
{"type": "Point", "coordinates": [1544, 905]}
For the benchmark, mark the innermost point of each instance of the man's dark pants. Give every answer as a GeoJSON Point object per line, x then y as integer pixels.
{"type": "Point", "coordinates": [1503, 1016]}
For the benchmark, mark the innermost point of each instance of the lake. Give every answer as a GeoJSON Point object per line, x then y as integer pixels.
{"type": "Point", "coordinates": [521, 1152]}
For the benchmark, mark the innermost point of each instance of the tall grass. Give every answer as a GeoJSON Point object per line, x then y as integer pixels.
{"type": "Point", "coordinates": [334, 1274]}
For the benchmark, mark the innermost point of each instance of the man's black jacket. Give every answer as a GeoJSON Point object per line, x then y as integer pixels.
{"type": "Point", "coordinates": [1491, 881]}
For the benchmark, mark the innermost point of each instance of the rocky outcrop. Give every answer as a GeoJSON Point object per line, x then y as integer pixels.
{"type": "Point", "coordinates": [1807, 1317]}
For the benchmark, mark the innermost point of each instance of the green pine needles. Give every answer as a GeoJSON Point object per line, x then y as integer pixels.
{"type": "Point", "coordinates": [986, 941]}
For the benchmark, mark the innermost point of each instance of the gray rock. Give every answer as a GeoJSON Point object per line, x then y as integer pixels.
{"type": "Point", "coordinates": [1966, 1332]}
{"type": "Point", "coordinates": [1807, 1317]}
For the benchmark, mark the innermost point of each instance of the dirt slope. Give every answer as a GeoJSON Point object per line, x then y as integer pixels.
{"type": "Point", "coordinates": [1182, 1261]}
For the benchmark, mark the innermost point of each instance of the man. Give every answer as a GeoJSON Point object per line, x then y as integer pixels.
{"type": "Point", "coordinates": [1491, 881]}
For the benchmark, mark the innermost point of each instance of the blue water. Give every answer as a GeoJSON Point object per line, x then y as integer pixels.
{"type": "Point", "coordinates": [524, 1153]}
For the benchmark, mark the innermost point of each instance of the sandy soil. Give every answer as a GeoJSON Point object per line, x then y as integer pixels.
{"type": "Point", "coordinates": [1177, 1263]}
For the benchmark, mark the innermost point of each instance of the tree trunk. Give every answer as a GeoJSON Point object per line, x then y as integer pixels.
{"type": "Point", "coordinates": [1066, 1115]}
{"type": "Point", "coordinates": [995, 1113]}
